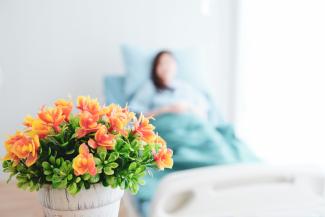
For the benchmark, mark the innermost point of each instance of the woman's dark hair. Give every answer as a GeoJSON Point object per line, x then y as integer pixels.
{"type": "Point", "coordinates": [159, 84]}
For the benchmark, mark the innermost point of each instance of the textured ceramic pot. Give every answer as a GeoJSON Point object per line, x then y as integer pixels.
{"type": "Point", "coordinates": [98, 201]}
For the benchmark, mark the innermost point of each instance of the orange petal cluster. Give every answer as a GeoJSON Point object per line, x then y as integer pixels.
{"type": "Point", "coordinates": [65, 106]}
{"type": "Point", "coordinates": [52, 117]}
{"type": "Point", "coordinates": [85, 103]}
{"type": "Point", "coordinates": [84, 162]}
{"type": "Point", "coordinates": [22, 147]}
{"type": "Point", "coordinates": [103, 139]}
{"type": "Point", "coordinates": [40, 128]}
{"type": "Point", "coordinates": [164, 158]}
{"type": "Point", "coordinates": [88, 123]}
{"type": "Point", "coordinates": [89, 116]}
{"type": "Point", "coordinates": [118, 117]}
{"type": "Point", "coordinates": [160, 141]}
{"type": "Point", "coordinates": [144, 129]}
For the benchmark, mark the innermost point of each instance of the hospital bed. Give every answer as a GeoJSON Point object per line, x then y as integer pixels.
{"type": "Point", "coordinates": [241, 191]}
{"type": "Point", "coordinates": [231, 191]}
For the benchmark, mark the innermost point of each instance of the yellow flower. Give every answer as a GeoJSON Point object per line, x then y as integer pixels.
{"type": "Point", "coordinates": [40, 128]}
{"type": "Point", "coordinates": [28, 121]}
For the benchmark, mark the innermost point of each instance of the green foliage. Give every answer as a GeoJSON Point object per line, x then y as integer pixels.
{"type": "Point", "coordinates": [123, 167]}
{"type": "Point", "coordinates": [27, 177]}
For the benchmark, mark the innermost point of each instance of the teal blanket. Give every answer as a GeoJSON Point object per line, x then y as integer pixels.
{"type": "Point", "coordinates": [195, 143]}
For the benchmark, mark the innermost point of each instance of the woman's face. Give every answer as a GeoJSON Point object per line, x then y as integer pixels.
{"type": "Point", "coordinates": [166, 68]}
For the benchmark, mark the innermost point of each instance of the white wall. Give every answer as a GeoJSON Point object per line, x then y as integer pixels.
{"type": "Point", "coordinates": [281, 107]}
{"type": "Point", "coordinates": [51, 49]}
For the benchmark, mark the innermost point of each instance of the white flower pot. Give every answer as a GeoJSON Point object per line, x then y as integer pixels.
{"type": "Point", "coordinates": [98, 201]}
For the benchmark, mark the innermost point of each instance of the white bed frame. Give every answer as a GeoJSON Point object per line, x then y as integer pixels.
{"type": "Point", "coordinates": [240, 191]}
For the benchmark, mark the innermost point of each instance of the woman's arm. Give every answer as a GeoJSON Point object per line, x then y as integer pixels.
{"type": "Point", "coordinates": [179, 107]}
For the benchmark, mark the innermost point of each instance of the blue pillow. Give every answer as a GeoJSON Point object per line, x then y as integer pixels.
{"type": "Point", "coordinates": [114, 89]}
{"type": "Point", "coordinates": [137, 62]}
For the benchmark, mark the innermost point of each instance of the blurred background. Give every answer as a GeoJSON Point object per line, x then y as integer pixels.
{"type": "Point", "coordinates": [264, 61]}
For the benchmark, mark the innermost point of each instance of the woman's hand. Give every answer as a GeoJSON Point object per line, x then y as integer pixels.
{"type": "Point", "coordinates": [179, 107]}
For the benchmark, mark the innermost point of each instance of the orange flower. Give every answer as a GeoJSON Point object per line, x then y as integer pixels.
{"type": "Point", "coordinates": [21, 146]}
{"type": "Point", "coordinates": [103, 139]}
{"type": "Point", "coordinates": [28, 121]}
{"type": "Point", "coordinates": [88, 123]}
{"type": "Point", "coordinates": [144, 129]}
{"type": "Point", "coordinates": [164, 158]}
{"type": "Point", "coordinates": [84, 162]}
{"type": "Point", "coordinates": [160, 141]}
{"type": "Point", "coordinates": [65, 106]}
{"type": "Point", "coordinates": [52, 116]}
{"type": "Point", "coordinates": [85, 103]}
{"type": "Point", "coordinates": [118, 117]}
{"type": "Point", "coordinates": [40, 128]}
{"type": "Point", "coordinates": [37, 126]}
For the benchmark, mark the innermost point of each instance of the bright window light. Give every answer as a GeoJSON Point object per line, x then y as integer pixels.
{"type": "Point", "coordinates": [281, 79]}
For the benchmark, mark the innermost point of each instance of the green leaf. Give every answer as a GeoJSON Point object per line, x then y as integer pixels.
{"type": "Point", "coordinates": [94, 179]}
{"type": "Point", "coordinates": [52, 160]}
{"type": "Point", "coordinates": [47, 172]}
{"type": "Point", "coordinates": [140, 169]}
{"type": "Point", "coordinates": [132, 166]}
{"type": "Point", "coordinates": [33, 187]}
{"type": "Point", "coordinates": [70, 177]}
{"type": "Point", "coordinates": [141, 182]}
{"type": "Point", "coordinates": [74, 121]}
{"type": "Point", "coordinates": [56, 171]}
{"type": "Point", "coordinates": [97, 161]}
{"type": "Point", "coordinates": [70, 151]}
{"type": "Point", "coordinates": [113, 165]}
{"type": "Point", "coordinates": [6, 164]}
{"type": "Point", "coordinates": [58, 162]}
{"type": "Point", "coordinates": [22, 185]}
{"type": "Point", "coordinates": [64, 144]}
{"type": "Point", "coordinates": [72, 188]}
{"type": "Point", "coordinates": [78, 179]}
{"type": "Point", "coordinates": [61, 184]}
{"type": "Point", "coordinates": [102, 152]}
{"type": "Point", "coordinates": [48, 178]}
{"type": "Point", "coordinates": [87, 185]}
{"type": "Point", "coordinates": [134, 189]}
{"type": "Point", "coordinates": [56, 178]}
{"type": "Point", "coordinates": [108, 171]}
{"type": "Point", "coordinates": [86, 176]}
{"type": "Point", "coordinates": [46, 165]}
{"type": "Point", "coordinates": [113, 157]}
{"type": "Point", "coordinates": [111, 180]}
{"type": "Point", "coordinates": [123, 184]}
{"type": "Point", "coordinates": [99, 168]}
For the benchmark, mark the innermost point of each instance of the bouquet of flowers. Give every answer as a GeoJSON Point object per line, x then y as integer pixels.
{"type": "Point", "coordinates": [108, 145]}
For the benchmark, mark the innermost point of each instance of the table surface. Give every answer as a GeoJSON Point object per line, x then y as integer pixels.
{"type": "Point", "coordinates": [15, 202]}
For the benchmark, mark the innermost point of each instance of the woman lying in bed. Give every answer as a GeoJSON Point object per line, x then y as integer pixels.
{"type": "Point", "coordinates": [168, 95]}
{"type": "Point", "coordinates": [181, 117]}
